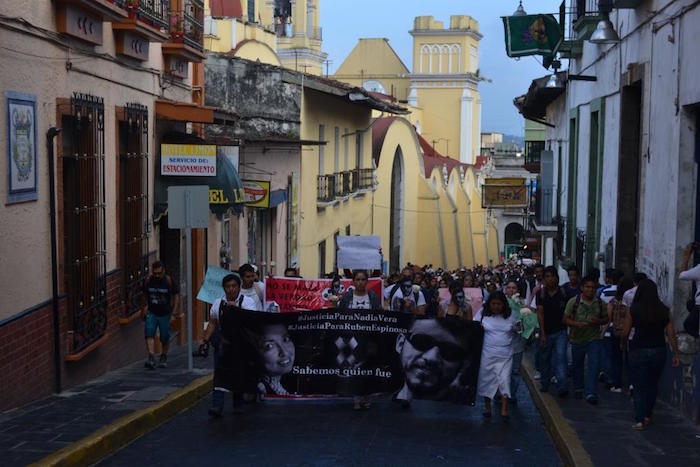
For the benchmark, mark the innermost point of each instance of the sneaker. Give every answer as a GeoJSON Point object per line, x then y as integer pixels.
{"type": "Point", "coordinates": [553, 380]}
{"type": "Point", "coordinates": [537, 376]}
{"type": "Point", "coordinates": [616, 390]}
{"type": "Point", "coordinates": [591, 399]}
{"type": "Point", "coordinates": [563, 393]}
{"type": "Point", "coordinates": [163, 361]}
{"type": "Point", "coordinates": [150, 363]}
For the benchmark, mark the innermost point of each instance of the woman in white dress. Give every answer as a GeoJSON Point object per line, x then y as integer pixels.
{"type": "Point", "coordinates": [497, 353]}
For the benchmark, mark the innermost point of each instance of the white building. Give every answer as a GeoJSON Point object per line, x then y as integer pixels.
{"type": "Point", "coordinates": [625, 145]}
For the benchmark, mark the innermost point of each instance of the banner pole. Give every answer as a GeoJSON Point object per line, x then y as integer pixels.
{"type": "Point", "coordinates": [188, 248]}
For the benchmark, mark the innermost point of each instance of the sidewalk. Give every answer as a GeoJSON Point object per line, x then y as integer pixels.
{"type": "Point", "coordinates": [605, 431]}
{"type": "Point", "coordinates": [30, 433]}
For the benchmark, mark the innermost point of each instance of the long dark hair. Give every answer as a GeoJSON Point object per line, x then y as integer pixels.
{"type": "Point", "coordinates": [648, 306]}
{"type": "Point", "coordinates": [497, 295]}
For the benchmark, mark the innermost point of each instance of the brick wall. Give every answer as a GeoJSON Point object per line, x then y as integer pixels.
{"type": "Point", "coordinates": [26, 350]}
{"type": "Point", "coordinates": [26, 358]}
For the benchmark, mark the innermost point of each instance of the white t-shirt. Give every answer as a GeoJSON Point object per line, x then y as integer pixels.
{"type": "Point", "coordinates": [693, 274]}
{"type": "Point", "coordinates": [360, 302]}
{"type": "Point", "coordinates": [628, 297]}
{"type": "Point", "coordinates": [252, 293]}
{"type": "Point", "coordinates": [398, 296]}
{"type": "Point", "coordinates": [246, 304]}
{"type": "Point", "coordinates": [608, 294]}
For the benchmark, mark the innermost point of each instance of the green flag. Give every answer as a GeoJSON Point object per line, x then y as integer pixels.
{"type": "Point", "coordinates": [532, 35]}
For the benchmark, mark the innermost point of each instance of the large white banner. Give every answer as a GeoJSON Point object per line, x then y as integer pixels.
{"type": "Point", "coordinates": [359, 252]}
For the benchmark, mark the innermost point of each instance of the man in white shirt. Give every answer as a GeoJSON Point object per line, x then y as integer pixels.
{"type": "Point", "coordinates": [250, 288]}
{"type": "Point", "coordinates": [406, 299]}
{"type": "Point", "coordinates": [691, 274]}
{"type": "Point", "coordinates": [232, 297]}
{"type": "Point", "coordinates": [628, 297]}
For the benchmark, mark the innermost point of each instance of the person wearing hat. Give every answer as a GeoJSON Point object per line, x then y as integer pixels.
{"type": "Point", "coordinates": [232, 297]}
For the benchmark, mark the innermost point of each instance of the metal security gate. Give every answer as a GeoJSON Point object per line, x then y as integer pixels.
{"type": "Point", "coordinates": [84, 219]}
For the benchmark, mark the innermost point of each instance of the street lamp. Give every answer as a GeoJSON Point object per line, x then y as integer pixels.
{"type": "Point", "coordinates": [604, 31]}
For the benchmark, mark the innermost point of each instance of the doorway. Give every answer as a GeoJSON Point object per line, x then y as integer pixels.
{"type": "Point", "coordinates": [396, 215]}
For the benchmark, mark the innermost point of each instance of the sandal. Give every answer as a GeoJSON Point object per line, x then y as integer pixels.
{"type": "Point", "coordinates": [638, 426]}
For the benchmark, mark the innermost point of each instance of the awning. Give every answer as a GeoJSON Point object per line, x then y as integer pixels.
{"type": "Point", "coordinates": [533, 105]}
{"type": "Point", "coordinates": [225, 189]}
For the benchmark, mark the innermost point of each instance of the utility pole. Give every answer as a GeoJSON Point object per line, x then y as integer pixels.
{"type": "Point", "coordinates": [327, 62]}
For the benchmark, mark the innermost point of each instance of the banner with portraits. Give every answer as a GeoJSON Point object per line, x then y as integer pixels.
{"type": "Point", "coordinates": [292, 294]}
{"type": "Point", "coordinates": [348, 353]}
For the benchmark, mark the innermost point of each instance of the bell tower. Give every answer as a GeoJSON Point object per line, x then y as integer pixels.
{"type": "Point", "coordinates": [299, 34]}
{"type": "Point", "coordinates": [444, 84]}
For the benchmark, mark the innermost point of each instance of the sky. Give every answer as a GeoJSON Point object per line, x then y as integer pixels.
{"type": "Point", "coordinates": [344, 22]}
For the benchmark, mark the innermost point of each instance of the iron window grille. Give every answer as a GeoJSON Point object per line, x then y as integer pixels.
{"type": "Point", "coordinates": [84, 219]}
{"type": "Point", "coordinates": [134, 222]}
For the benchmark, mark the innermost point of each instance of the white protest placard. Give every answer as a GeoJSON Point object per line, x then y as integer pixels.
{"type": "Point", "coordinates": [197, 160]}
{"type": "Point", "coordinates": [211, 289]}
{"type": "Point", "coordinates": [359, 252]}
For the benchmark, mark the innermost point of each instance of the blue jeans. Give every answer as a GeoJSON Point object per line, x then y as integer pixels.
{"type": "Point", "coordinates": [553, 359]}
{"type": "Point", "coordinates": [647, 366]}
{"type": "Point", "coordinates": [612, 360]}
{"type": "Point", "coordinates": [515, 375]}
{"type": "Point", "coordinates": [591, 352]}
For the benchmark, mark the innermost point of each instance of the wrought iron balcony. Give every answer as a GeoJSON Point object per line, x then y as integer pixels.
{"type": "Point", "coordinates": [152, 12]}
{"type": "Point", "coordinates": [187, 23]}
{"type": "Point", "coordinates": [343, 183]}
{"type": "Point", "coordinates": [326, 188]}
{"type": "Point", "coordinates": [363, 179]}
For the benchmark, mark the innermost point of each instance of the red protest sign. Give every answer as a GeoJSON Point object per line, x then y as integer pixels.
{"type": "Point", "coordinates": [292, 294]}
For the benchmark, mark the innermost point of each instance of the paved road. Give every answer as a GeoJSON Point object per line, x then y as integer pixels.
{"type": "Point", "coordinates": [330, 433]}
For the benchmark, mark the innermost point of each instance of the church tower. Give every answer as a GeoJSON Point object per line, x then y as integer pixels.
{"type": "Point", "coordinates": [299, 35]}
{"type": "Point", "coordinates": [444, 84]}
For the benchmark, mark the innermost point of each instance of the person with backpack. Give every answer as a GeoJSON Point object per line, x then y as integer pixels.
{"type": "Point", "coordinates": [231, 284]}
{"type": "Point", "coordinates": [406, 299]}
{"type": "Point", "coordinates": [614, 343]}
{"type": "Point", "coordinates": [551, 302]}
{"type": "Point", "coordinates": [584, 315]}
{"type": "Point", "coordinates": [162, 298]}
{"type": "Point", "coordinates": [250, 288]}
{"type": "Point", "coordinates": [651, 319]}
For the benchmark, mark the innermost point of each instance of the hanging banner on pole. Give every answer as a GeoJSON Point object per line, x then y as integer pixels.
{"type": "Point", "coordinates": [357, 352]}
{"type": "Point", "coordinates": [532, 35]}
{"type": "Point", "coordinates": [292, 294]}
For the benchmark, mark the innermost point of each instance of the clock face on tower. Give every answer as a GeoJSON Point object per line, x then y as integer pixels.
{"type": "Point", "coordinates": [374, 86]}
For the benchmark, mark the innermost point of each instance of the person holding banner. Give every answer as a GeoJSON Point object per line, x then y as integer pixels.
{"type": "Point", "coordinates": [360, 298]}
{"type": "Point", "coordinates": [250, 288]}
{"type": "Point", "coordinates": [232, 297]}
{"type": "Point", "coordinates": [497, 353]}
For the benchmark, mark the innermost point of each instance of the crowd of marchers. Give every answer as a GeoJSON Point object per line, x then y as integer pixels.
{"type": "Point", "coordinates": [584, 334]}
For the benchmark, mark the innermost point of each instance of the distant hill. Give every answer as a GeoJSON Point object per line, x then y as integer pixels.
{"type": "Point", "coordinates": [519, 140]}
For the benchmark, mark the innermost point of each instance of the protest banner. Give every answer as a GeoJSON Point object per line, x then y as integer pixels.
{"type": "Point", "coordinates": [349, 352]}
{"type": "Point", "coordinates": [211, 289]}
{"type": "Point", "coordinates": [292, 294]}
{"type": "Point", "coordinates": [473, 295]}
{"type": "Point", "coordinates": [359, 252]}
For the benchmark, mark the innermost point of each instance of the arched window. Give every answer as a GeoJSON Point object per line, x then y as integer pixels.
{"type": "Point", "coordinates": [435, 59]}
{"type": "Point", "coordinates": [425, 59]}
{"type": "Point", "coordinates": [444, 58]}
{"type": "Point", "coordinates": [455, 58]}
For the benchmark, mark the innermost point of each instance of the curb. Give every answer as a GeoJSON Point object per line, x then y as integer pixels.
{"type": "Point", "coordinates": [126, 429]}
{"type": "Point", "coordinates": [565, 438]}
